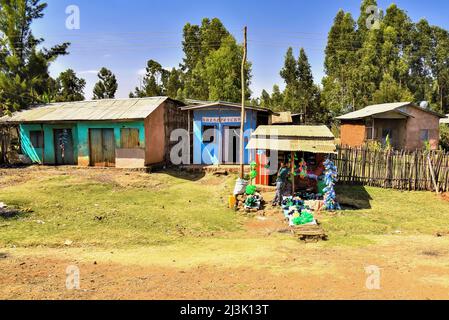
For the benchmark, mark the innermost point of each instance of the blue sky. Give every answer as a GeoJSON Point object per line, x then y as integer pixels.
{"type": "Point", "coordinates": [122, 35]}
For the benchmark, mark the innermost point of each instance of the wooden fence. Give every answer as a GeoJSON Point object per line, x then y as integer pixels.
{"type": "Point", "coordinates": [418, 170]}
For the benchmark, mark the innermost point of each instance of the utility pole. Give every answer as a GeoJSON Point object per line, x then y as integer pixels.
{"type": "Point", "coordinates": [242, 117]}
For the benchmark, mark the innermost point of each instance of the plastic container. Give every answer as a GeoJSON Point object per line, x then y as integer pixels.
{"type": "Point", "coordinates": [240, 186]}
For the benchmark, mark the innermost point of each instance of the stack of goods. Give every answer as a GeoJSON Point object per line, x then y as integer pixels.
{"type": "Point", "coordinates": [330, 178]}
{"type": "Point", "coordinates": [310, 196]}
{"type": "Point", "coordinates": [253, 202]}
{"type": "Point", "coordinates": [296, 212]}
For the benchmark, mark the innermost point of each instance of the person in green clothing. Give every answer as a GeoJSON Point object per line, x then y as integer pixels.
{"type": "Point", "coordinates": [281, 181]}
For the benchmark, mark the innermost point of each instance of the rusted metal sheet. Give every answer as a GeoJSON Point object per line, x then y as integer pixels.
{"type": "Point", "coordinates": [99, 110]}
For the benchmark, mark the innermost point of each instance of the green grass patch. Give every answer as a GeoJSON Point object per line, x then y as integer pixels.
{"type": "Point", "coordinates": [89, 212]}
{"type": "Point", "coordinates": [384, 211]}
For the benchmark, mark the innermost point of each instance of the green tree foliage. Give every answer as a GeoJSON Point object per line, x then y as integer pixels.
{"type": "Point", "coordinates": [210, 69]}
{"type": "Point", "coordinates": [444, 137]}
{"type": "Point", "coordinates": [399, 61]}
{"type": "Point", "coordinates": [212, 63]}
{"type": "Point", "coordinates": [340, 82]}
{"type": "Point", "coordinates": [154, 82]}
{"type": "Point", "coordinates": [69, 87]}
{"type": "Point", "coordinates": [222, 72]}
{"type": "Point", "coordinates": [309, 95]}
{"type": "Point", "coordinates": [301, 94]}
{"type": "Point", "coordinates": [107, 86]}
{"type": "Point", "coordinates": [24, 76]}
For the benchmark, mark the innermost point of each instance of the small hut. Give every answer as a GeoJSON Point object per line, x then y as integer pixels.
{"type": "Point", "coordinates": [307, 146]}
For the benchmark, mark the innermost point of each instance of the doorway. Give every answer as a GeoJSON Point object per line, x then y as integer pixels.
{"type": "Point", "coordinates": [63, 143]}
{"type": "Point", "coordinates": [231, 145]}
{"type": "Point", "coordinates": [102, 147]}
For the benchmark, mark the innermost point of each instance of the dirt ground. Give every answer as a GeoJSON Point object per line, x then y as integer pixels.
{"type": "Point", "coordinates": [409, 268]}
{"type": "Point", "coordinates": [261, 262]}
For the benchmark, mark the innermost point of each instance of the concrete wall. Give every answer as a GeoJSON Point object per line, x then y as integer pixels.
{"type": "Point", "coordinates": [48, 154]}
{"type": "Point", "coordinates": [212, 153]}
{"type": "Point", "coordinates": [422, 120]}
{"type": "Point", "coordinates": [406, 132]}
{"type": "Point", "coordinates": [129, 158]}
{"type": "Point", "coordinates": [155, 135]}
{"type": "Point", "coordinates": [352, 133]}
{"type": "Point", "coordinates": [125, 158]}
{"type": "Point", "coordinates": [398, 127]}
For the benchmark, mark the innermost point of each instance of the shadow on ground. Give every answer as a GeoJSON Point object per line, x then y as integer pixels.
{"type": "Point", "coordinates": [353, 197]}
{"type": "Point", "coordinates": [8, 214]}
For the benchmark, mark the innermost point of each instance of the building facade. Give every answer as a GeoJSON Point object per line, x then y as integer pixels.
{"type": "Point", "coordinates": [215, 131]}
{"type": "Point", "coordinates": [124, 133]}
{"type": "Point", "coordinates": [404, 125]}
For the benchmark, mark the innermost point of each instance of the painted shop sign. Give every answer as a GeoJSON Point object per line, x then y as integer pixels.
{"type": "Point", "coordinates": [221, 119]}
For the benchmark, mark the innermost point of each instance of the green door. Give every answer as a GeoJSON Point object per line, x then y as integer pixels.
{"type": "Point", "coordinates": [102, 147]}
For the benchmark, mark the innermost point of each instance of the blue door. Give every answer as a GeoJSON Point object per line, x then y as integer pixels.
{"type": "Point", "coordinates": [210, 152]}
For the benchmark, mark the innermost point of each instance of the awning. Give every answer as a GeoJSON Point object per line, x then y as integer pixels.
{"type": "Point", "coordinates": [314, 146]}
{"type": "Point", "coordinates": [315, 139]}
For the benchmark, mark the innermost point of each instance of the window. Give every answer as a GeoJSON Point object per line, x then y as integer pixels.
{"type": "Point", "coordinates": [370, 130]}
{"type": "Point", "coordinates": [37, 139]}
{"type": "Point", "coordinates": [424, 135]}
{"type": "Point", "coordinates": [129, 138]}
{"type": "Point", "coordinates": [208, 134]}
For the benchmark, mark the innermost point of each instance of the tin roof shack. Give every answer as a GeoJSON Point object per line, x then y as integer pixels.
{"type": "Point", "coordinates": [407, 126]}
{"type": "Point", "coordinates": [294, 142]}
{"type": "Point", "coordinates": [124, 133]}
{"type": "Point", "coordinates": [214, 128]}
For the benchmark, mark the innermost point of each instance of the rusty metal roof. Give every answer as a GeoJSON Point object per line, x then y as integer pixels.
{"type": "Point", "coordinates": [315, 139]}
{"type": "Point", "coordinates": [199, 104]}
{"type": "Point", "coordinates": [94, 110]}
{"type": "Point", "coordinates": [294, 131]}
{"type": "Point", "coordinates": [378, 109]}
{"type": "Point", "coordinates": [314, 146]}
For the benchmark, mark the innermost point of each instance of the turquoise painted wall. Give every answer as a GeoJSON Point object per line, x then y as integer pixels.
{"type": "Point", "coordinates": [83, 133]}
{"type": "Point", "coordinates": [80, 133]}
{"type": "Point", "coordinates": [35, 154]}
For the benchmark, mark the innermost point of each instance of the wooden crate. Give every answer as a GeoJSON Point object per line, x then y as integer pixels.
{"type": "Point", "coordinates": [309, 233]}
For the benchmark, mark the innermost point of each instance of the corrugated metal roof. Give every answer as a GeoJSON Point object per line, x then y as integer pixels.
{"type": "Point", "coordinates": [316, 139]}
{"type": "Point", "coordinates": [95, 110]}
{"type": "Point", "coordinates": [312, 145]}
{"type": "Point", "coordinates": [373, 110]}
{"type": "Point", "coordinates": [445, 120]}
{"type": "Point", "coordinates": [294, 131]}
{"type": "Point", "coordinates": [198, 104]}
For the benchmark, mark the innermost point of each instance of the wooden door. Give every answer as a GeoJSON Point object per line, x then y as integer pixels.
{"type": "Point", "coordinates": [102, 147]}
{"type": "Point", "coordinates": [63, 143]}
{"type": "Point", "coordinates": [108, 147]}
